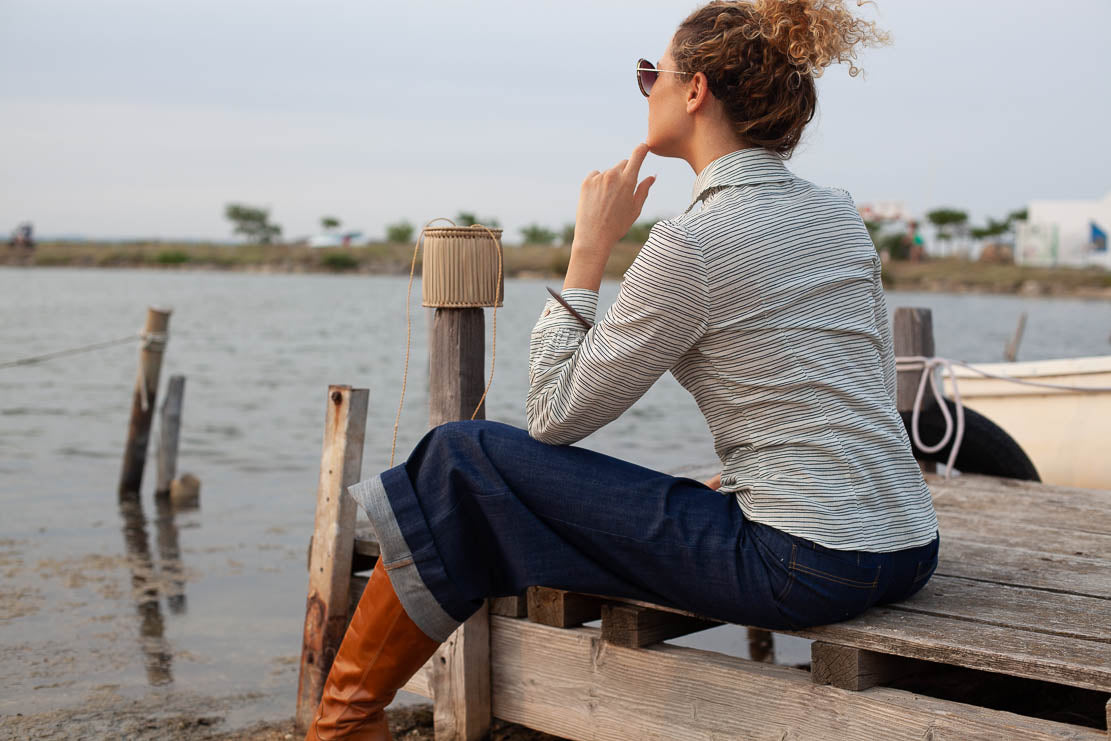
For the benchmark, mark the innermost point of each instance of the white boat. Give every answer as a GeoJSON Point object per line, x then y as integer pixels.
{"type": "Point", "coordinates": [1064, 432]}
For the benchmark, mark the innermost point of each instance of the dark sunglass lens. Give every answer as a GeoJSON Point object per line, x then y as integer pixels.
{"type": "Point", "coordinates": [646, 76]}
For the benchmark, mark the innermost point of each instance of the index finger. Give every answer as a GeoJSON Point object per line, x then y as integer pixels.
{"type": "Point", "coordinates": [632, 167]}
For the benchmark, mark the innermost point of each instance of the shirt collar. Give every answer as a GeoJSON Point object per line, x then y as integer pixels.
{"type": "Point", "coordinates": [742, 167]}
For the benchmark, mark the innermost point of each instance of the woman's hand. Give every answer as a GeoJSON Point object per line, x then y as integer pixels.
{"type": "Point", "coordinates": [715, 482]}
{"type": "Point", "coordinates": [609, 204]}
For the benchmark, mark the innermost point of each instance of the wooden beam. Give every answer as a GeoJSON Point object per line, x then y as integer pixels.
{"type": "Point", "coordinates": [461, 673]}
{"type": "Point", "coordinates": [633, 627]}
{"type": "Point", "coordinates": [460, 681]}
{"type": "Point", "coordinates": [326, 608]}
{"type": "Point", "coordinates": [154, 337]}
{"type": "Point", "coordinates": [515, 606]}
{"type": "Point", "coordinates": [913, 335]}
{"type": "Point", "coordinates": [169, 428]}
{"type": "Point", "coordinates": [855, 668]}
{"type": "Point", "coordinates": [570, 683]}
{"type": "Point", "coordinates": [560, 608]}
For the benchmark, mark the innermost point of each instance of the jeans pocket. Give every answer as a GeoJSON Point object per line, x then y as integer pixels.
{"type": "Point", "coordinates": [813, 585]}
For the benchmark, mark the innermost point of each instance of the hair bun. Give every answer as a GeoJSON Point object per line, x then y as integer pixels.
{"type": "Point", "coordinates": [814, 34]}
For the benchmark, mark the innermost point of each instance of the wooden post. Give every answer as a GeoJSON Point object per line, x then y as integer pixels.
{"type": "Point", "coordinates": [913, 335]}
{"type": "Point", "coordinates": [461, 666]}
{"type": "Point", "coordinates": [142, 401]}
{"type": "Point", "coordinates": [333, 541]}
{"type": "Point", "coordinates": [168, 427]}
{"type": "Point", "coordinates": [1010, 352]}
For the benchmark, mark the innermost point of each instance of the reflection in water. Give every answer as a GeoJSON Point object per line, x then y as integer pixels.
{"type": "Point", "coordinates": [144, 590]}
{"type": "Point", "coordinates": [169, 554]}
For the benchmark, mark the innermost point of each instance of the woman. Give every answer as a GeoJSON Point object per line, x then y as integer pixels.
{"type": "Point", "coordinates": [765, 302]}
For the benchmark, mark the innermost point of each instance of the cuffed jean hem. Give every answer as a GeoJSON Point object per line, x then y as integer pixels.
{"type": "Point", "coordinates": [411, 560]}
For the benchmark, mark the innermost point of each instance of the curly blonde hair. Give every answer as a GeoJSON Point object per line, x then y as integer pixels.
{"type": "Point", "coordinates": [760, 58]}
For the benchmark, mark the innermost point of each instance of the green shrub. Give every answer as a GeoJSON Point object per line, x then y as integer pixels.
{"type": "Point", "coordinates": [339, 261]}
{"type": "Point", "coordinates": [172, 257]}
{"type": "Point", "coordinates": [401, 231]}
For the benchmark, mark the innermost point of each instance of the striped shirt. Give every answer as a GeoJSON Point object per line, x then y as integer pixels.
{"type": "Point", "coordinates": [766, 305]}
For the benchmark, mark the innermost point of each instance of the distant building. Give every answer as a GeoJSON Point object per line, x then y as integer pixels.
{"type": "Point", "coordinates": [1065, 233]}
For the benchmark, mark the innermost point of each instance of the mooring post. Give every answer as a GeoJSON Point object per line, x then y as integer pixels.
{"type": "Point", "coordinates": [461, 666]}
{"type": "Point", "coordinates": [333, 541]}
{"type": "Point", "coordinates": [913, 335]}
{"type": "Point", "coordinates": [168, 426]}
{"type": "Point", "coordinates": [154, 338]}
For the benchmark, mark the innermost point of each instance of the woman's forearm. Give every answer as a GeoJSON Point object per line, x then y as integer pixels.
{"type": "Point", "coordinates": [586, 266]}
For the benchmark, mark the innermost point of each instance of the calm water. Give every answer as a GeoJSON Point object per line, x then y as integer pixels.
{"type": "Point", "coordinates": [259, 352]}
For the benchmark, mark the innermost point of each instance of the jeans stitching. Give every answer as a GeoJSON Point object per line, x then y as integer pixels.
{"type": "Point", "coordinates": [839, 579]}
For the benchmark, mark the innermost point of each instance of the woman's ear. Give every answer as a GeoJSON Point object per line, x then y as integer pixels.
{"type": "Point", "coordinates": [697, 91]}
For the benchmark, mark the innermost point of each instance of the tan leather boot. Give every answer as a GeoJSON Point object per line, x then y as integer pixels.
{"type": "Point", "coordinates": [380, 651]}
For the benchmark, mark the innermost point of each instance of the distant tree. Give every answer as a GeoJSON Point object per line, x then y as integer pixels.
{"type": "Point", "coordinates": [329, 222]}
{"type": "Point", "coordinates": [874, 228]}
{"type": "Point", "coordinates": [399, 232]}
{"type": "Point", "coordinates": [567, 234]}
{"type": "Point", "coordinates": [897, 245]}
{"type": "Point", "coordinates": [536, 234]}
{"type": "Point", "coordinates": [993, 229]}
{"type": "Point", "coordinates": [948, 221]}
{"type": "Point", "coordinates": [639, 231]}
{"type": "Point", "coordinates": [253, 223]}
{"type": "Point", "coordinates": [468, 218]}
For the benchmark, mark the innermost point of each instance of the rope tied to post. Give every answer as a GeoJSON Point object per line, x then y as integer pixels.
{"type": "Point", "coordinates": [955, 431]}
{"type": "Point", "coordinates": [155, 342]}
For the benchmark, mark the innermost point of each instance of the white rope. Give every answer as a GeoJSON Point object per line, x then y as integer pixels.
{"type": "Point", "coordinates": [927, 366]}
{"type": "Point", "coordinates": [61, 353]}
{"type": "Point", "coordinates": [914, 362]}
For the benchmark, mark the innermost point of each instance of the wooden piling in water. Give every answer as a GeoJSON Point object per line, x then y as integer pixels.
{"type": "Point", "coordinates": [913, 335]}
{"type": "Point", "coordinates": [333, 541]}
{"type": "Point", "coordinates": [168, 429]}
{"type": "Point", "coordinates": [154, 338]}
{"type": "Point", "coordinates": [461, 666]}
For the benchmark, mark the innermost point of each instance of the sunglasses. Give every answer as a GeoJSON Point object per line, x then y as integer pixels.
{"type": "Point", "coordinates": [647, 74]}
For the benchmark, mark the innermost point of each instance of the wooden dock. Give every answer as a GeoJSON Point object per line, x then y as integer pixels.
{"type": "Point", "coordinates": [1022, 590]}
{"type": "Point", "coordinates": [1009, 639]}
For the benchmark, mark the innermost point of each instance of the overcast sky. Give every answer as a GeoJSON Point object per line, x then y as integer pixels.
{"type": "Point", "coordinates": [131, 118]}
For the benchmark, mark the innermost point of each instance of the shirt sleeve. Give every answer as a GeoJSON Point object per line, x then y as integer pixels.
{"type": "Point", "coordinates": [581, 380]}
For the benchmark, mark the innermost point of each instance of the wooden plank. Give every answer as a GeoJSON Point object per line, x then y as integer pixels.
{"type": "Point", "coordinates": [571, 683]}
{"type": "Point", "coordinates": [857, 669]}
{"type": "Point", "coordinates": [1033, 491]}
{"type": "Point", "coordinates": [634, 627]}
{"type": "Point", "coordinates": [560, 608]}
{"type": "Point", "coordinates": [1071, 510]}
{"type": "Point", "coordinates": [326, 608]}
{"type": "Point", "coordinates": [1067, 615]}
{"type": "Point", "coordinates": [964, 643]}
{"type": "Point", "coordinates": [1023, 567]}
{"type": "Point", "coordinates": [988, 530]}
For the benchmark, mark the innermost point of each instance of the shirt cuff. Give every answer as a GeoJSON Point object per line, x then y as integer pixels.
{"type": "Point", "coordinates": [582, 300]}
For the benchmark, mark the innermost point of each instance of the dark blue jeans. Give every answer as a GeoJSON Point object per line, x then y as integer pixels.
{"type": "Point", "coordinates": [481, 509]}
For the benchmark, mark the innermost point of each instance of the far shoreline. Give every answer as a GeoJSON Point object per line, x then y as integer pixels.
{"type": "Point", "coordinates": [537, 262]}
